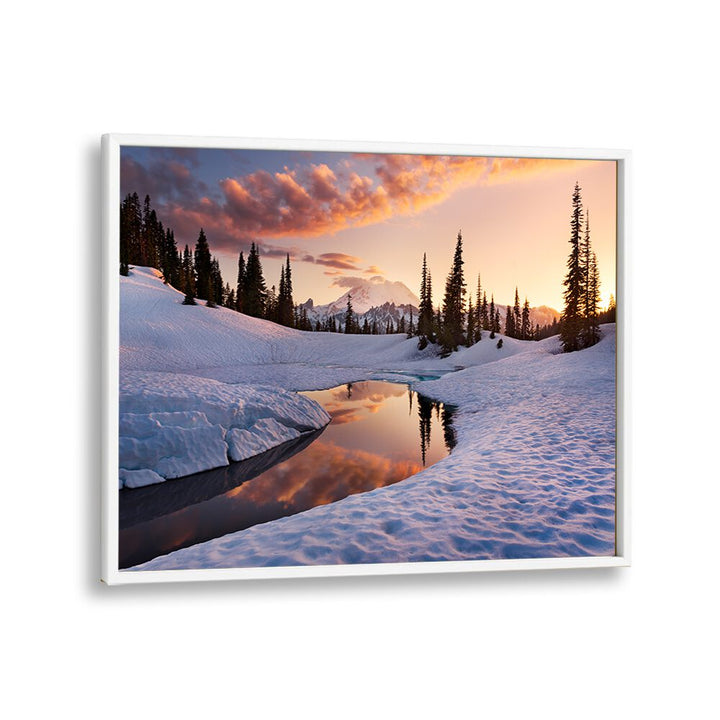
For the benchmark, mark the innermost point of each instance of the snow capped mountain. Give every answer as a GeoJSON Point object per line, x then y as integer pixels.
{"type": "Point", "coordinates": [367, 294]}
{"type": "Point", "coordinates": [541, 315]}
{"type": "Point", "coordinates": [379, 300]}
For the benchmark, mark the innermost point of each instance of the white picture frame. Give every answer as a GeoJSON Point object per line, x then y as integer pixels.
{"type": "Point", "coordinates": [110, 573]}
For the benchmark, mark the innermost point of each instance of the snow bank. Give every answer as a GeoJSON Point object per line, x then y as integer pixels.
{"type": "Point", "coordinates": [532, 475]}
{"type": "Point", "coordinates": [158, 332]}
{"type": "Point", "coordinates": [173, 425]}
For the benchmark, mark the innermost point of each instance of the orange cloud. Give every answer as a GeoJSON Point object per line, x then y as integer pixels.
{"type": "Point", "coordinates": [340, 261]}
{"type": "Point", "coordinates": [315, 200]}
{"type": "Point", "coordinates": [324, 473]}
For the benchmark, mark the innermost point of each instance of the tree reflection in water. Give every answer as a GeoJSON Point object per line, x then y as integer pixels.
{"type": "Point", "coordinates": [444, 414]}
{"type": "Point", "coordinates": [371, 442]}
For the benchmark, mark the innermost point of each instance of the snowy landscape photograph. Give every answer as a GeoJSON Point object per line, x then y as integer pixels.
{"type": "Point", "coordinates": [357, 358]}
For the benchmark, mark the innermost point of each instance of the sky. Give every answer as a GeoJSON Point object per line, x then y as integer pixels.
{"type": "Point", "coordinates": [350, 217]}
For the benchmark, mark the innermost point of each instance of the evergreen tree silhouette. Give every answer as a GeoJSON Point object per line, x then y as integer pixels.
{"type": "Point", "coordinates": [203, 266]}
{"type": "Point", "coordinates": [471, 318]}
{"type": "Point", "coordinates": [452, 334]}
{"type": "Point", "coordinates": [572, 318]}
{"type": "Point", "coordinates": [241, 287]}
{"type": "Point", "coordinates": [255, 289]}
{"type": "Point", "coordinates": [509, 322]}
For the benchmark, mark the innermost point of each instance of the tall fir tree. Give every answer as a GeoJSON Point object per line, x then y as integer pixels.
{"type": "Point", "coordinates": [285, 297]}
{"type": "Point", "coordinates": [492, 317]}
{"type": "Point", "coordinates": [572, 318]}
{"type": "Point", "coordinates": [241, 287]}
{"type": "Point", "coordinates": [509, 322]}
{"type": "Point", "coordinates": [471, 322]}
{"type": "Point", "coordinates": [425, 310]}
{"type": "Point", "coordinates": [517, 315]}
{"type": "Point", "coordinates": [230, 298]}
{"type": "Point", "coordinates": [255, 289]}
{"type": "Point", "coordinates": [349, 317]}
{"type": "Point", "coordinates": [454, 303]}
{"type": "Point", "coordinates": [189, 277]}
{"type": "Point", "coordinates": [203, 266]}
{"type": "Point", "coordinates": [484, 320]}
{"type": "Point", "coordinates": [591, 295]}
{"type": "Point", "coordinates": [217, 286]}
{"type": "Point", "coordinates": [592, 332]}
{"type": "Point", "coordinates": [525, 326]}
{"type": "Point", "coordinates": [411, 325]}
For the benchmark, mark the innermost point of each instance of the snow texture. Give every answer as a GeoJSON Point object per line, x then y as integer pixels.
{"type": "Point", "coordinates": [532, 474]}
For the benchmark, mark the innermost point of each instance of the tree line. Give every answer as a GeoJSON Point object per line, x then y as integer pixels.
{"type": "Point", "coordinates": [454, 323]}
{"type": "Point", "coordinates": [196, 273]}
{"type": "Point", "coordinates": [457, 322]}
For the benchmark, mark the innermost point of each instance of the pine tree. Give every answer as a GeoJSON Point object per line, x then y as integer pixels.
{"type": "Point", "coordinates": [509, 322]}
{"type": "Point", "coordinates": [454, 303]}
{"type": "Point", "coordinates": [189, 275]}
{"type": "Point", "coordinates": [411, 326]}
{"type": "Point", "coordinates": [492, 317]}
{"type": "Point", "coordinates": [517, 317]}
{"type": "Point", "coordinates": [572, 320]}
{"type": "Point", "coordinates": [241, 288]}
{"type": "Point", "coordinates": [497, 320]}
{"type": "Point", "coordinates": [593, 321]}
{"type": "Point", "coordinates": [271, 305]}
{"type": "Point", "coordinates": [255, 289]}
{"type": "Point", "coordinates": [484, 320]}
{"type": "Point", "coordinates": [217, 286]}
{"type": "Point", "coordinates": [349, 316]}
{"type": "Point", "coordinates": [591, 295]}
{"type": "Point", "coordinates": [425, 311]}
{"type": "Point", "coordinates": [210, 302]}
{"type": "Point", "coordinates": [130, 229]}
{"type": "Point", "coordinates": [525, 326]}
{"type": "Point", "coordinates": [203, 266]}
{"type": "Point", "coordinates": [471, 318]}
{"type": "Point", "coordinates": [285, 298]}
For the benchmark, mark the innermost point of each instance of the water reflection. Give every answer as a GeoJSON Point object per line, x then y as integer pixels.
{"type": "Point", "coordinates": [371, 442]}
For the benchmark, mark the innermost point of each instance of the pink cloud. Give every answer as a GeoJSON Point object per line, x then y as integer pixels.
{"type": "Point", "coordinates": [315, 200]}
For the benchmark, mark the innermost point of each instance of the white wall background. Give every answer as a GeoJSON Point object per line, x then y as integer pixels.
{"type": "Point", "coordinates": [639, 642]}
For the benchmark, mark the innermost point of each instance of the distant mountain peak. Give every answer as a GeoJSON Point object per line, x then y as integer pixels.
{"type": "Point", "coordinates": [366, 294]}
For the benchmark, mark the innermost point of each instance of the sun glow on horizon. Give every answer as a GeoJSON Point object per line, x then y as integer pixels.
{"type": "Point", "coordinates": [339, 215]}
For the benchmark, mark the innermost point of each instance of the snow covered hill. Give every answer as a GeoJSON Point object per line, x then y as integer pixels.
{"type": "Point", "coordinates": [532, 474]}
{"type": "Point", "coordinates": [180, 416]}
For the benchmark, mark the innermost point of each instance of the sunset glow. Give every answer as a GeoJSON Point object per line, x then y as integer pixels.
{"type": "Point", "coordinates": [343, 215]}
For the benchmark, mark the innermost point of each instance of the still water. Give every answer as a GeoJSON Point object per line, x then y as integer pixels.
{"type": "Point", "coordinates": [380, 434]}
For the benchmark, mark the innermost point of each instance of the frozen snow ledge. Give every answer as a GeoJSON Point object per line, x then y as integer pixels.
{"type": "Point", "coordinates": [532, 476]}
{"type": "Point", "coordinates": [172, 425]}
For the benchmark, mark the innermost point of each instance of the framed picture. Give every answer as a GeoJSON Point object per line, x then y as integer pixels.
{"type": "Point", "coordinates": [329, 358]}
